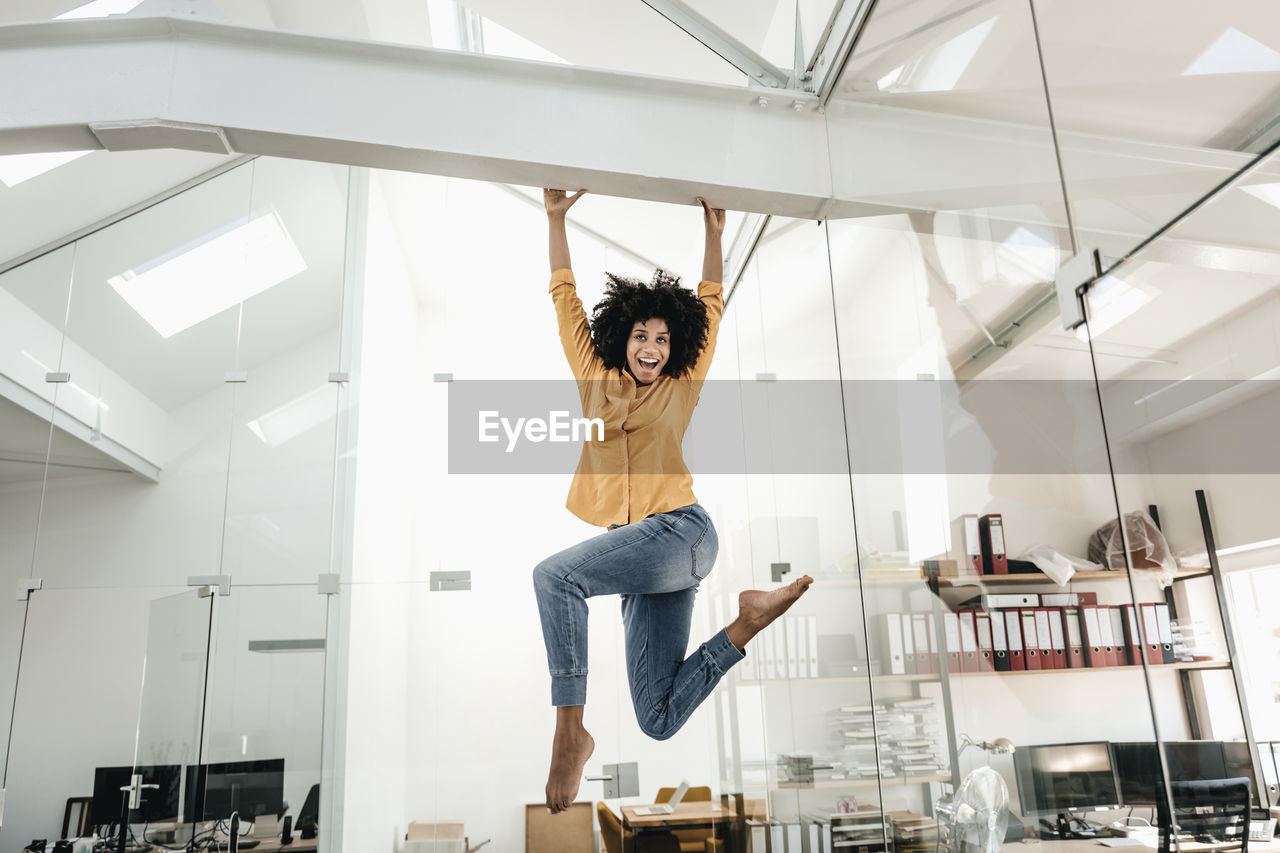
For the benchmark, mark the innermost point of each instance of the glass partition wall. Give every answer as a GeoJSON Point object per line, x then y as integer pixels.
{"type": "Point", "coordinates": [181, 408]}
{"type": "Point", "coordinates": [988, 653]}
{"type": "Point", "coordinates": [1185, 347]}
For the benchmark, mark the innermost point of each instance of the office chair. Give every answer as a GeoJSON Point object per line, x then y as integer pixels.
{"type": "Point", "coordinates": [618, 839]}
{"type": "Point", "coordinates": [691, 840]}
{"type": "Point", "coordinates": [1207, 808]}
{"type": "Point", "coordinates": [84, 819]}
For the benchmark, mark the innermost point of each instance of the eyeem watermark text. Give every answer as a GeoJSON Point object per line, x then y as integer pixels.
{"type": "Point", "coordinates": [559, 427]}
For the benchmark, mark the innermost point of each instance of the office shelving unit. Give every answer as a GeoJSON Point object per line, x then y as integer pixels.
{"type": "Point", "coordinates": [878, 578]}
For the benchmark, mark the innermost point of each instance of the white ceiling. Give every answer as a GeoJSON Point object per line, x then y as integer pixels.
{"type": "Point", "coordinates": [311, 202]}
{"type": "Point", "coordinates": [1109, 75]}
{"type": "Point", "coordinates": [1114, 69]}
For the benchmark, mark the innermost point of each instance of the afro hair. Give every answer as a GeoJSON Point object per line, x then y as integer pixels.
{"type": "Point", "coordinates": [628, 301]}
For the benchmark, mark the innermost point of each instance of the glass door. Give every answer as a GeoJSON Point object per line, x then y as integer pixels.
{"type": "Point", "coordinates": [170, 721]}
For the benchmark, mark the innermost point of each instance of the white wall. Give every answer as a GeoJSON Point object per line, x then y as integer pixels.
{"type": "Point", "coordinates": [457, 681]}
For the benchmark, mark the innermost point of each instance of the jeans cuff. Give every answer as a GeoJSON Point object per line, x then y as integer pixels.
{"type": "Point", "coordinates": [569, 689]}
{"type": "Point", "coordinates": [723, 652]}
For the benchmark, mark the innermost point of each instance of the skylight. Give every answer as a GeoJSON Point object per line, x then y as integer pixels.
{"type": "Point", "coordinates": [194, 282]}
{"type": "Point", "coordinates": [500, 41]}
{"type": "Point", "coordinates": [1270, 193]}
{"type": "Point", "coordinates": [1110, 301]}
{"type": "Point", "coordinates": [99, 9]}
{"type": "Point", "coordinates": [1234, 53]}
{"type": "Point", "coordinates": [295, 417]}
{"type": "Point", "coordinates": [16, 168]}
{"type": "Point", "coordinates": [940, 69]}
{"type": "Point", "coordinates": [1027, 257]}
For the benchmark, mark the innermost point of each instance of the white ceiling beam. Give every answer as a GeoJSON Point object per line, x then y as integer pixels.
{"type": "Point", "coordinates": [413, 109]}
{"type": "Point", "coordinates": [156, 82]}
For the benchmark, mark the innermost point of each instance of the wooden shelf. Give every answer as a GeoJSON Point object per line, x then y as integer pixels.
{"type": "Point", "coordinates": [847, 783]}
{"type": "Point", "coordinates": [1041, 578]}
{"type": "Point", "coordinates": [1199, 664]}
{"type": "Point", "coordinates": [917, 579]}
{"type": "Point", "coordinates": [842, 679]}
{"type": "Point", "coordinates": [931, 676]}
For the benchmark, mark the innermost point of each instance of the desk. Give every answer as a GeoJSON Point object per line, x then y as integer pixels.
{"type": "Point", "coordinates": [686, 816]}
{"type": "Point", "coordinates": [301, 845]}
{"type": "Point", "coordinates": [1091, 845]}
{"type": "Point", "coordinates": [266, 845]}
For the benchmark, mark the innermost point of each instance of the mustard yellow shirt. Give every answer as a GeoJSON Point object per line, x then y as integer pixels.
{"type": "Point", "coordinates": [638, 469]}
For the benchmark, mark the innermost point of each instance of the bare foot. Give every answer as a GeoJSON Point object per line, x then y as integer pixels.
{"type": "Point", "coordinates": [757, 608]}
{"type": "Point", "coordinates": [569, 753]}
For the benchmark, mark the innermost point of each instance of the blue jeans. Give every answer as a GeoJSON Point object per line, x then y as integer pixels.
{"type": "Point", "coordinates": [655, 565]}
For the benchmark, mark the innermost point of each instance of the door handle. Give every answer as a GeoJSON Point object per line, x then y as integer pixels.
{"type": "Point", "coordinates": [620, 780]}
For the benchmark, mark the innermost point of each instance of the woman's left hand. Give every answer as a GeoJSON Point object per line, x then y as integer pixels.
{"type": "Point", "coordinates": [712, 218]}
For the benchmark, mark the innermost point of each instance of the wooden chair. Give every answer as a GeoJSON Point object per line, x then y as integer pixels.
{"type": "Point", "coordinates": [691, 840]}
{"type": "Point", "coordinates": [619, 839]}
{"type": "Point", "coordinates": [734, 837]}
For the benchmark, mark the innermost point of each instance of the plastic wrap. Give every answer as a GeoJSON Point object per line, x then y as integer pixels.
{"type": "Point", "coordinates": [1148, 549]}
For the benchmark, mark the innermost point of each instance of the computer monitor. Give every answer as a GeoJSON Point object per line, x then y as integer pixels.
{"type": "Point", "coordinates": [157, 804]}
{"type": "Point", "coordinates": [1240, 763]}
{"type": "Point", "coordinates": [249, 788]}
{"type": "Point", "coordinates": [309, 814]}
{"type": "Point", "coordinates": [1270, 768]}
{"type": "Point", "coordinates": [1069, 777]}
{"type": "Point", "coordinates": [1138, 766]}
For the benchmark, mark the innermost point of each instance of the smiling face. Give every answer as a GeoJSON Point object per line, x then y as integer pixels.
{"type": "Point", "coordinates": [648, 349]}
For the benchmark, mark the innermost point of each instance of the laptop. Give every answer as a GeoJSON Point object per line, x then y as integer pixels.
{"type": "Point", "coordinates": [667, 807]}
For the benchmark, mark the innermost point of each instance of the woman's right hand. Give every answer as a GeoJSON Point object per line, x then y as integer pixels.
{"type": "Point", "coordinates": [558, 202]}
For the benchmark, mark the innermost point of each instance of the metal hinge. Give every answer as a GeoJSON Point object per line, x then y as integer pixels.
{"type": "Point", "coordinates": [328, 584]}
{"type": "Point", "coordinates": [26, 586]}
{"type": "Point", "coordinates": [446, 581]}
{"type": "Point", "coordinates": [210, 583]}
{"type": "Point", "coordinates": [1072, 282]}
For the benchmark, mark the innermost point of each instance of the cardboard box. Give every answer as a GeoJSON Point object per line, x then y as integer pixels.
{"type": "Point", "coordinates": [443, 836]}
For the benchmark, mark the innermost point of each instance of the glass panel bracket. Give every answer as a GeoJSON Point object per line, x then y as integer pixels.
{"type": "Point", "coordinates": [328, 584]}
{"type": "Point", "coordinates": [57, 377]}
{"type": "Point", "coordinates": [1072, 281]}
{"type": "Point", "coordinates": [26, 586]}
{"type": "Point", "coordinates": [211, 583]}
{"type": "Point", "coordinates": [447, 581]}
